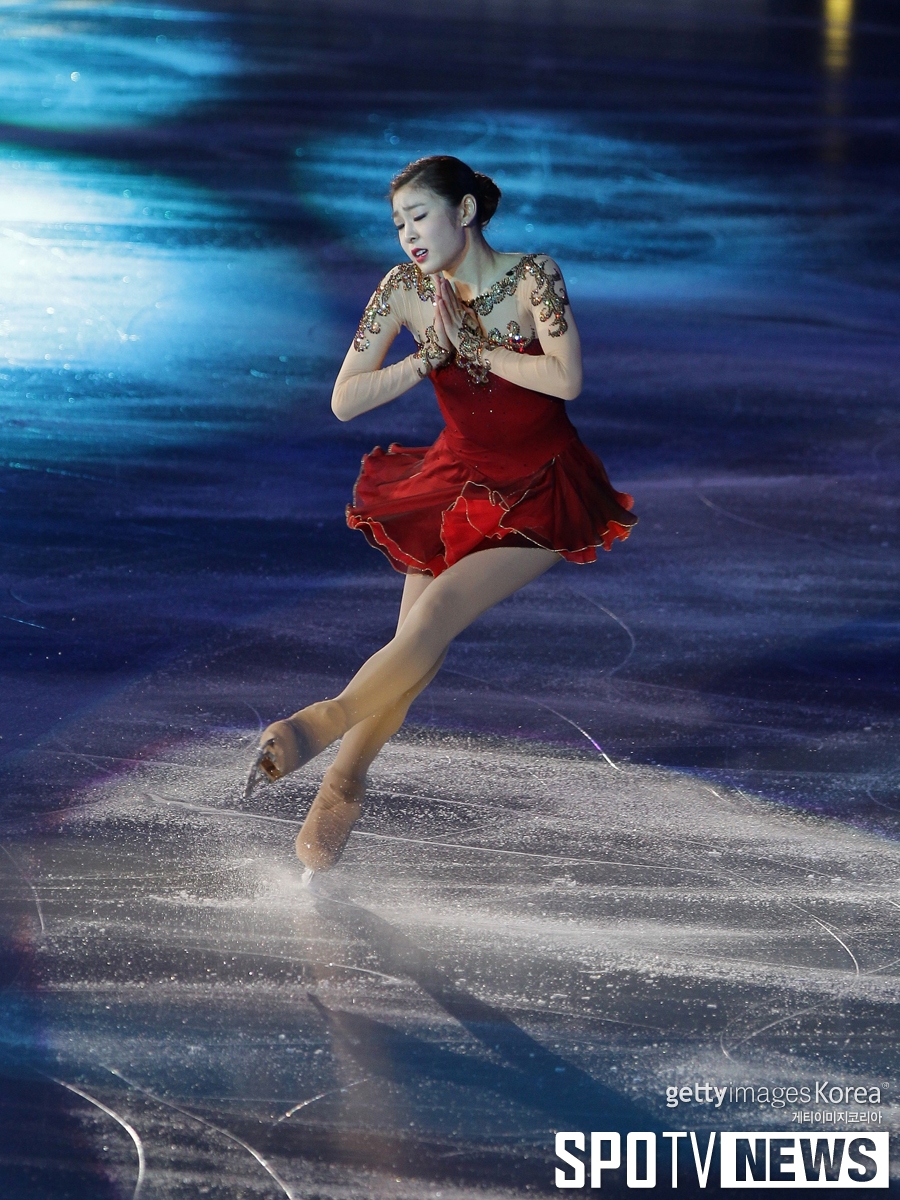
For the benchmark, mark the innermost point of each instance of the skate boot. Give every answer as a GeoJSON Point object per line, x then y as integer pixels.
{"type": "Point", "coordinates": [287, 745]}
{"type": "Point", "coordinates": [333, 813]}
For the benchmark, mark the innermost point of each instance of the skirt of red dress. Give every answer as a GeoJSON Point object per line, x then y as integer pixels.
{"type": "Point", "coordinates": [426, 508]}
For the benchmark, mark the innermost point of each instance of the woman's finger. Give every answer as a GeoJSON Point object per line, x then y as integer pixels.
{"type": "Point", "coordinates": [448, 299]}
{"type": "Point", "coordinates": [440, 328]}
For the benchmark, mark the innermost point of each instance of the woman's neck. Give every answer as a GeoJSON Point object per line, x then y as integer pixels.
{"type": "Point", "coordinates": [476, 269]}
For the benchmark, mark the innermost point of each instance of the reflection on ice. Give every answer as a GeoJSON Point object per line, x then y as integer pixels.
{"type": "Point", "coordinates": [572, 191]}
{"type": "Point", "coordinates": [632, 218]}
{"type": "Point", "coordinates": [138, 311]}
{"type": "Point", "coordinates": [93, 66]}
{"type": "Point", "coordinates": [838, 29]}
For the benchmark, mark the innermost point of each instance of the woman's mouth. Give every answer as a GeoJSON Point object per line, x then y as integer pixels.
{"type": "Point", "coordinates": [419, 254]}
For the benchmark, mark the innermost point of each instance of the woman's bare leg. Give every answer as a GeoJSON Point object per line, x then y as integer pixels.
{"type": "Point", "coordinates": [338, 802]}
{"type": "Point", "coordinates": [361, 744]}
{"type": "Point", "coordinates": [432, 613]}
{"type": "Point", "coordinates": [443, 610]}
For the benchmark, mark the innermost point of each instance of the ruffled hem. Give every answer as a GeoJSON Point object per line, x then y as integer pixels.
{"type": "Point", "coordinates": [426, 509]}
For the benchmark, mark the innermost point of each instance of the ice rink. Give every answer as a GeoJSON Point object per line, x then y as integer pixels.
{"type": "Point", "coordinates": [641, 833]}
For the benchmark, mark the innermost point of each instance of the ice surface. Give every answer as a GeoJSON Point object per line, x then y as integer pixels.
{"type": "Point", "coordinates": [642, 829]}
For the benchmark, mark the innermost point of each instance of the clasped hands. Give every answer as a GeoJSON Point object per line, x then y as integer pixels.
{"type": "Point", "coordinates": [449, 315]}
{"type": "Point", "coordinates": [457, 327]}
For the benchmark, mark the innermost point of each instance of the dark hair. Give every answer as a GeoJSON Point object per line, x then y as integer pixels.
{"type": "Point", "coordinates": [451, 179]}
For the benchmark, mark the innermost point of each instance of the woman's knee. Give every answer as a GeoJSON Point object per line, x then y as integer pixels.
{"type": "Point", "coordinates": [442, 606]}
{"type": "Point", "coordinates": [432, 624]}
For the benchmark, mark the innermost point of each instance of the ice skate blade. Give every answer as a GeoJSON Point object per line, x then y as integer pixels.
{"type": "Point", "coordinates": [309, 879]}
{"type": "Point", "coordinates": [298, 755]}
{"type": "Point", "coordinates": [256, 771]}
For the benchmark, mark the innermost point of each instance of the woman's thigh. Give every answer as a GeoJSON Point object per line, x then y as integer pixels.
{"type": "Point", "coordinates": [413, 587]}
{"type": "Point", "coordinates": [476, 583]}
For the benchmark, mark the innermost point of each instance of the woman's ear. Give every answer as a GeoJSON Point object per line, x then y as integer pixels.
{"type": "Point", "coordinates": [468, 208]}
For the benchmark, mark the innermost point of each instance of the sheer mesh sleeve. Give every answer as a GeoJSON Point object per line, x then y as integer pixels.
{"type": "Point", "coordinates": [557, 372]}
{"type": "Point", "coordinates": [362, 383]}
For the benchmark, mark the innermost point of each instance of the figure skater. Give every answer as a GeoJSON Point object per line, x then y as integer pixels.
{"type": "Point", "coordinates": [505, 492]}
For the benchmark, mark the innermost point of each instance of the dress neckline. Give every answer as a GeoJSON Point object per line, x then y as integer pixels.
{"type": "Point", "coordinates": [505, 286]}
{"type": "Point", "coordinates": [499, 283]}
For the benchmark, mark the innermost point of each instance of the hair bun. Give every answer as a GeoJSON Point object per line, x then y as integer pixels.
{"type": "Point", "coordinates": [488, 197]}
{"type": "Point", "coordinates": [451, 180]}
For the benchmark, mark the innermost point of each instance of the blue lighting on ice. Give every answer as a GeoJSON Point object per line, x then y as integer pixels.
{"type": "Point", "coordinates": [97, 66]}
{"type": "Point", "coordinates": [619, 214]}
{"type": "Point", "coordinates": [139, 310]}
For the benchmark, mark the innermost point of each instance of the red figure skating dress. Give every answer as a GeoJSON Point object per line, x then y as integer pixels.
{"type": "Point", "coordinates": [508, 469]}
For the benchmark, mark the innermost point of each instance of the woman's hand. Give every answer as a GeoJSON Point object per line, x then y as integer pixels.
{"type": "Point", "coordinates": [449, 317]}
{"type": "Point", "coordinates": [458, 327]}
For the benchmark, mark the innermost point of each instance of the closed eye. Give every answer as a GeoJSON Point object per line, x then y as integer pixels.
{"type": "Point", "coordinates": [420, 217]}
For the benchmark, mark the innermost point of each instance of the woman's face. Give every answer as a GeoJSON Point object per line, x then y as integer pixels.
{"type": "Point", "coordinates": [431, 232]}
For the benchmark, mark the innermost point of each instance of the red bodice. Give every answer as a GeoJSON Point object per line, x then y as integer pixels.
{"type": "Point", "coordinates": [508, 469]}
{"type": "Point", "coordinates": [505, 430]}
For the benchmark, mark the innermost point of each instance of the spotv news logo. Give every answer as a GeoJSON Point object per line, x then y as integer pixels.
{"type": "Point", "coordinates": [746, 1160]}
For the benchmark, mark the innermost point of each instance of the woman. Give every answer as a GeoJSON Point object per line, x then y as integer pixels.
{"type": "Point", "coordinates": [505, 492]}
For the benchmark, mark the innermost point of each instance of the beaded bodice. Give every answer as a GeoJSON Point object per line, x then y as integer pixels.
{"type": "Point", "coordinates": [549, 300]}
{"type": "Point", "coordinates": [529, 291]}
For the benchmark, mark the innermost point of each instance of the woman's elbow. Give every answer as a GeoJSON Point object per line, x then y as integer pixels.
{"type": "Point", "coordinates": [571, 386]}
{"type": "Point", "coordinates": [340, 407]}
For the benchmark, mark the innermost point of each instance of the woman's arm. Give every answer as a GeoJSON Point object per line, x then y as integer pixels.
{"type": "Point", "coordinates": [557, 372]}
{"type": "Point", "coordinates": [362, 384]}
